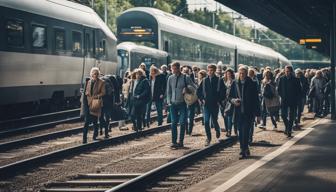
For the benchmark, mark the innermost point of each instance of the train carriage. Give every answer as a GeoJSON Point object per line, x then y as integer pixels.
{"type": "Point", "coordinates": [47, 47]}
{"type": "Point", "coordinates": [192, 43]}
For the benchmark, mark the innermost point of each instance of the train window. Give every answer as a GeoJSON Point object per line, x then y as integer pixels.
{"type": "Point", "coordinates": [87, 44]}
{"type": "Point", "coordinates": [15, 33]}
{"type": "Point", "coordinates": [102, 46]}
{"type": "Point", "coordinates": [39, 37]}
{"type": "Point", "coordinates": [76, 42]}
{"type": "Point", "coordinates": [59, 40]}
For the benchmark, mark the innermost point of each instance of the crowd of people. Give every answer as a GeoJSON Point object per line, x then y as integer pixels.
{"type": "Point", "coordinates": [244, 99]}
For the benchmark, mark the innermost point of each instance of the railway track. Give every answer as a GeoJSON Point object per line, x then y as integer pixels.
{"type": "Point", "coordinates": [5, 146]}
{"type": "Point", "coordinates": [34, 123]}
{"type": "Point", "coordinates": [23, 165]}
{"type": "Point", "coordinates": [152, 180]}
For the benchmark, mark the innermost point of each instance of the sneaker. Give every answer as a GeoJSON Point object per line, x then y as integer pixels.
{"type": "Point", "coordinates": [207, 143]}
{"type": "Point", "coordinates": [174, 145]}
{"type": "Point", "coordinates": [262, 126]}
{"type": "Point", "coordinates": [248, 153]}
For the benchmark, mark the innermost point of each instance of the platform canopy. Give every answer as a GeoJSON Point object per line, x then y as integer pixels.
{"type": "Point", "coordinates": [296, 19]}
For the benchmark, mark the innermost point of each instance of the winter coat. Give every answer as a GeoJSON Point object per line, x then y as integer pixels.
{"type": "Point", "coordinates": [98, 91]}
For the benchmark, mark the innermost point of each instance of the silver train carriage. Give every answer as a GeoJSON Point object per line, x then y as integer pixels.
{"type": "Point", "coordinates": [131, 55]}
{"type": "Point", "coordinates": [47, 48]}
{"type": "Point", "coordinates": [191, 43]}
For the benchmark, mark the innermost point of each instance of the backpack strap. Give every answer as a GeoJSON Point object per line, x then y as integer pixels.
{"type": "Point", "coordinates": [203, 88]}
{"type": "Point", "coordinates": [218, 84]}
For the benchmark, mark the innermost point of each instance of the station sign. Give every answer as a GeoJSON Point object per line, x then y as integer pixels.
{"type": "Point", "coordinates": [310, 40]}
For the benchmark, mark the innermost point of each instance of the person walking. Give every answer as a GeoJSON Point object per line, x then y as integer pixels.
{"type": "Point", "coordinates": [140, 97]}
{"type": "Point", "coordinates": [289, 89]}
{"type": "Point", "coordinates": [176, 84]}
{"type": "Point", "coordinates": [211, 93]}
{"type": "Point", "coordinates": [244, 96]}
{"type": "Point", "coordinates": [270, 99]}
{"type": "Point", "coordinates": [158, 88]}
{"type": "Point", "coordinates": [92, 102]}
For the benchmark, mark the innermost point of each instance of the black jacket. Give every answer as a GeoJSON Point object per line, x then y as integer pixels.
{"type": "Point", "coordinates": [213, 93]}
{"type": "Point", "coordinates": [290, 90]}
{"type": "Point", "coordinates": [250, 97]}
{"type": "Point", "coordinates": [159, 87]}
{"type": "Point", "coordinates": [141, 95]}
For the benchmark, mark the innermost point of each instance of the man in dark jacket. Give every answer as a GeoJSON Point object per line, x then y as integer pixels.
{"type": "Point", "coordinates": [244, 96]}
{"type": "Point", "coordinates": [289, 90]}
{"type": "Point", "coordinates": [158, 88]}
{"type": "Point", "coordinates": [211, 93]}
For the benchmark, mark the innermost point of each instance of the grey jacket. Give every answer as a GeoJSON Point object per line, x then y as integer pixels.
{"type": "Point", "coordinates": [175, 86]}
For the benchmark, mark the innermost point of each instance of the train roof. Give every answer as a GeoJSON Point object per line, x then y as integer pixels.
{"type": "Point", "coordinates": [309, 61]}
{"type": "Point", "coordinates": [171, 23]}
{"type": "Point", "coordinates": [132, 47]}
{"type": "Point", "coordinates": [62, 10]}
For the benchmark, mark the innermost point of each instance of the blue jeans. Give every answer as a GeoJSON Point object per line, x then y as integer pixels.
{"type": "Point", "coordinates": [228, 123]}
{"type": "Point", "coordinates": [213, 113]}
{"type": "Point", "coordinates": [90, 119]}
{"type": "Point", "coordinates": [159, 108]}
{"type": "Point", "coordinates": [191, 117]}
{"type": "Point", "coordinates": [178, 112]}
{"type": "Point", "coordinates": [244, 125]}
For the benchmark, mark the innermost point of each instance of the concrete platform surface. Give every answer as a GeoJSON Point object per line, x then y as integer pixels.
{"type": "Point", "coordinates": [305, 163]}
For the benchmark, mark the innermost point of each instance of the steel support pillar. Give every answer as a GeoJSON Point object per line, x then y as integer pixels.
{"type": "Point", "coordinates": [332, 64]}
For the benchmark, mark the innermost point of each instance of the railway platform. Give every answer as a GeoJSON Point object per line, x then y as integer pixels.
{"type": "Point", "coordinates": [304, 163]}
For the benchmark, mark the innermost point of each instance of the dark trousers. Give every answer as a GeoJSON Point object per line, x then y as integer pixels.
{"type": "Point", "coordinates": [228, 123]}
{"type": "Point", "coordinates": [88, 120]}
{"type": "Point", "coordinates": [104, 122]}
{"type": "Point", "coordinates": [159, 110]}
{"type": "Point", "coordinates": [288, 116]}
{"type": "Point", "coordinates": [138, 116]}
{"type": "Point", "coordinates": [244, 125]}
{"type": "Point", "coordinates": [212, 112]}
{"type": "Point", "coordinates": [178, 113]}
{"type": "Point", "coordinates": [299, 110]}
{"type": "Point", "coordinates": [191, 117]}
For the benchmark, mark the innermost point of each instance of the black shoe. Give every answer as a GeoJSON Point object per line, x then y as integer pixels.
{"type": "Point", "coordinates": [248, 153]}
{"type": "Point", "coordinates": [101, 132]}
{"type": "Point", "coordinates": [243, 156]}
{"type": "Point", "coordinates": [180, 145]}
{"type": "Point", "coordinates": [95, 139]}
{"type": "Point", "coordinates": [289, 134]}
{"type": "Point", "coordinates": [106, 136]}
{"type": "Point", "coordinates": [84, 141]}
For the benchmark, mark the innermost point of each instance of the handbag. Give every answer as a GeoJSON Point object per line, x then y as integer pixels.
{"type": "Point", "coordinates": [96, 104]}
{"type": "Point", "coordinates": [190, 94]}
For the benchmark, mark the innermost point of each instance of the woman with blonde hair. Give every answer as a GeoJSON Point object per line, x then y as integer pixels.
{"type": "Point", "coordinates": [94, 91]}
{"type": "Point", "coordinates": [140, 96]}
{"type": "Point", "coordinates": [271, 100]}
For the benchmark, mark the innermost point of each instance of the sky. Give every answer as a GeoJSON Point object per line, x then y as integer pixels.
{"type": "Point", "coordinates": [212, 5]}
